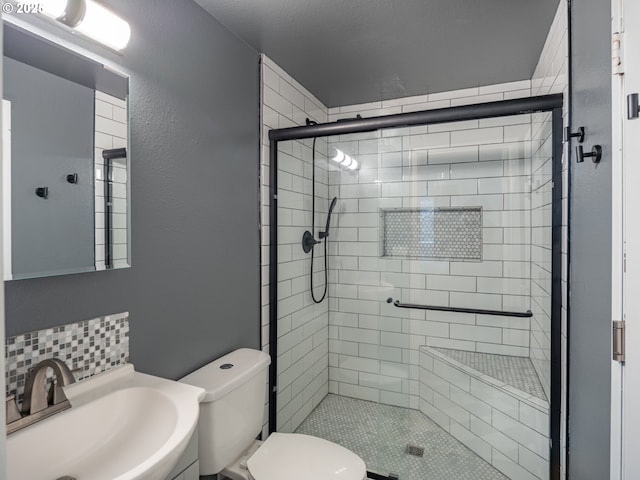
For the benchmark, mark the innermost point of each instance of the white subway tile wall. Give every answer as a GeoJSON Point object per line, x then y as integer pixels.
{"type": "Point", "coordinates": [303, 366]}
{"type": "Point", "coordinates": [111, 116]}
{"type": "Point", "coordinates": [550, 76]}
{"type": "Point", "coordinates": [475, 163]}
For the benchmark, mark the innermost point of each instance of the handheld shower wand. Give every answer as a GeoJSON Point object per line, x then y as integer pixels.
{"type": "Point", "coordinates": [308, 240]}
{"type": "Point", "coordinates": [325, 234]}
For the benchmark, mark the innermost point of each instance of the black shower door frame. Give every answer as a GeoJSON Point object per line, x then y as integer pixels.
{"type": "Point", "coordinates": [519, 106]}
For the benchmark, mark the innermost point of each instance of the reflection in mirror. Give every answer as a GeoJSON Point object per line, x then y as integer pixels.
{"type": "Point", "coordinates": [65, 161]}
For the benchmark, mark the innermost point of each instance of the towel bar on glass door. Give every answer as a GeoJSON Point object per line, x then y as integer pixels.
{"type": "Point", "coordinates": [460, 310]}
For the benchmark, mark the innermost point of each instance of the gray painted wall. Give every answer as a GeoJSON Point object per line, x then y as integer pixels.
{"type": "Point", "coordinates": [193, 289]}
{"type": "Point", "coordinates": [590, 254]}
{"type": "Point", "coordinates": [52, 135]}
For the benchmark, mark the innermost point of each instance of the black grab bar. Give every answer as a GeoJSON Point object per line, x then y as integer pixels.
{"type": "Point", "coordinates": [500, 313]}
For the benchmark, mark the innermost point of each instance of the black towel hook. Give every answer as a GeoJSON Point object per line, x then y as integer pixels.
{"type": "Point", "coordinates": [595, 155]}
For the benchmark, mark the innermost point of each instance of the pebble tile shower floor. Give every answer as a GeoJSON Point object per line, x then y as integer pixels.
{"type": "Point", "coordinates": [379, 434]}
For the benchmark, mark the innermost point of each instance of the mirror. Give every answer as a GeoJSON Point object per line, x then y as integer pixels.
{"type": "Point", "coordinates": [65, 161]}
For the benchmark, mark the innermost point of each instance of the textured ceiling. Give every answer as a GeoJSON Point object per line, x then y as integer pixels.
{"type": "Point", "coordinates": [354, 51]}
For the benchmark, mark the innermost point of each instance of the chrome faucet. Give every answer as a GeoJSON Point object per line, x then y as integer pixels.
{"type": "Point", "coordinates": [37, 403]}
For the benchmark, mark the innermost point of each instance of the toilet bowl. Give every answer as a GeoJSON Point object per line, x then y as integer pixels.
{"type": "Point", "coordinates": [294, 456]}
{"type": "Point", "coordinates": [231, 417]}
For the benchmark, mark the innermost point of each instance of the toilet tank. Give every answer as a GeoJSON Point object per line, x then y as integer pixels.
{"type": "Point", "coordinates": [232, 411]}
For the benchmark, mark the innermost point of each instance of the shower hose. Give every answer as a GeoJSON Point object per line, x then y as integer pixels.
{"type": "Point", "coordinates": [313, 228]}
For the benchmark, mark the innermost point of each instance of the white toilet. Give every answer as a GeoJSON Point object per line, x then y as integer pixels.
{"type": "Point", "coordinates": [231, 417]}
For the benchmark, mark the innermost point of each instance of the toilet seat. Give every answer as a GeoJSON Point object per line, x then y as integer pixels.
{"type": "Point", "coordinates": [294, 456]}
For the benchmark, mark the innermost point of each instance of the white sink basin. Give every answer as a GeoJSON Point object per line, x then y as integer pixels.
{"type": "Point", "coordinates": [122, 425]}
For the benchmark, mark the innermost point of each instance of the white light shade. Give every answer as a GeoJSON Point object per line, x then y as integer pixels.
{"type": "Point", "coordinates": [354, 164]}
{"type": "Point", "coordinates": [53, 8]}
{"type": "Point", "coordinates": [347, 161]}
{"type": "Point", "coordinates": [104, 26]}
{"type": "Point", "coordinates": [339, 156]}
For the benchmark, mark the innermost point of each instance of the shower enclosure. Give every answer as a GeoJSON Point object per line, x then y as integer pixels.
{"type": "Point", "coordinates": [436, 352]}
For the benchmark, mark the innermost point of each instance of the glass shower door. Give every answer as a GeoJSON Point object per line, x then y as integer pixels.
{"type": "Point", "coordinates": [430, 356]}
{"type": "Point", "coordinates": [303, 318]}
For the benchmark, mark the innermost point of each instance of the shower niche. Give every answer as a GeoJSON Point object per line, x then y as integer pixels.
{"type": "Point", "coordinates": [440, 331]}
{"type": "Point", "coordinates": [442, 233]}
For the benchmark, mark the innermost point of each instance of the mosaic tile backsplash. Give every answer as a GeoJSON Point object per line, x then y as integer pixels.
{"type": "Point", "coordinates": [436, 233]}
{"type": "Point", "coordinates": [88, 348]}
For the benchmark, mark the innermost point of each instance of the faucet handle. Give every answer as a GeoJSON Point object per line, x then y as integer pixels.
{"type": "Point", "coordinates": [13, 413]}
{"type": "Point", "coordinates": [56, 393]}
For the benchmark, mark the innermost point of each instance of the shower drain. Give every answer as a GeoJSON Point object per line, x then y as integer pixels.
{"type": "Point", "coordinates": [414, 450]}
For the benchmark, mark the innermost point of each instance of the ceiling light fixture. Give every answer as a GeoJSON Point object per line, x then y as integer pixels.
{"type": "Point", "coordinates": [90, 19]}
{"type": "Point", "coordinates": [54, 8]}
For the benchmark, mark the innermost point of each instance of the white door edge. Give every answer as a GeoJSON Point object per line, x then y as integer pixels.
{"type": "Point", "coordinates": [625, 392]}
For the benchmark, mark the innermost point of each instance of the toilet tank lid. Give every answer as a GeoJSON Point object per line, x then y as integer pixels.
{"type": "Point", "coordinates": [227, 373]}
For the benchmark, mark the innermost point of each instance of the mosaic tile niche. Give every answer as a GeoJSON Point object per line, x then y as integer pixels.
{"type": "Point", "coordinates": [88, 348]}
{"type": "Point", "coordinates": [433, 233]}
